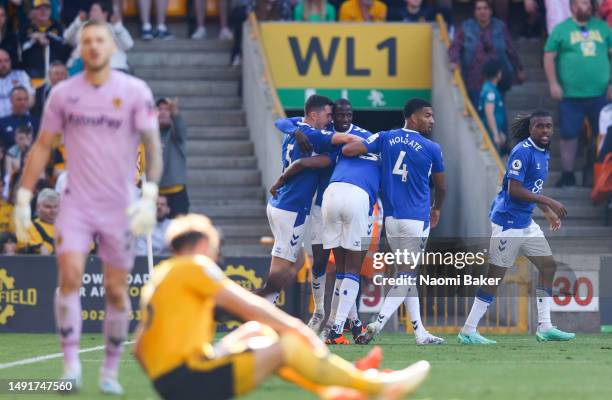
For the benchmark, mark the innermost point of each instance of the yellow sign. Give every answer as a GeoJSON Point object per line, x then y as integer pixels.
{"type": "Point", "coordinates": [348, 56]}
{"type": "Point", "coordinates": [11, 296]}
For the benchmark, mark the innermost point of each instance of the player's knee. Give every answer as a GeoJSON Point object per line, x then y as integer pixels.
{"type": "Point", "coordinates": [115, 295]}
{"type": "Point", "coordinates": [69, 280]}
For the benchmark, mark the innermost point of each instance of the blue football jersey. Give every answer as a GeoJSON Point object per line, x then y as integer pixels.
{"type": "Point", "coordinates": [527, 164]}
{"type": "Point", "coordinates": [362, 171]}
{"type": "Point", "coordinates": [408, 159]}
{"type": "Point", "coordinates": [296, 194]}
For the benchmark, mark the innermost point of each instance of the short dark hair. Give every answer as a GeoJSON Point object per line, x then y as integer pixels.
{"type": "Point", "coordinates": [414, 105]}
{"type": "Point", "coordinates": [316, 103]}
{"type": "Point", "coordinates": [491, 69]}
{"type": "Point", "coordinates": [483, 1]}
{"type": "Point", "coordinates": [341, 102]}
{"type": "Point", "coordinates": [161, 101]}
{"type": "Point", "coordinates": [24, 129]}
{"type": "Point", "coordinates": [104, 5]}
{"type": "Point", "coordinates": [18, 88]}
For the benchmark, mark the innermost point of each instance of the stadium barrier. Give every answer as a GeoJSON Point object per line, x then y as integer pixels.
{"type": "Point", "coordinates": [261, 104]}
{"type": "Point", "coordinates": [28, 284]}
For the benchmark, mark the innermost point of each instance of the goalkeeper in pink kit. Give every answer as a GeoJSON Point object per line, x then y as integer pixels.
{"type": "Point", "coordinates": [103, 115]}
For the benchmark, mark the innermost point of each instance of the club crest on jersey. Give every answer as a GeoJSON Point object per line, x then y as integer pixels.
{"type": "Point", "coordinates": [517, 164]}
{"type": "Point", "coordinates": [117, 102]}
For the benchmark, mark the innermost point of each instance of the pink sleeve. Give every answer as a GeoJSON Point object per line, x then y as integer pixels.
{"type": "Point", "coordinates": [53, 117]}
{"type": "Point", "coordinates": [145, 114]}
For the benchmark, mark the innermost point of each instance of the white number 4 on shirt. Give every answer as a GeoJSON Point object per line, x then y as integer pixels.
{"type": "Point", "coordinates": [403, 172]}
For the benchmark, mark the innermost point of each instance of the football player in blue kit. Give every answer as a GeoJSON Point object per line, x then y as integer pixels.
{"type": "Point", "coordinates": [346, 208]}
{"type": "Point", "coordinates": [289, 210]}
{"type": "Point", "coordinates": [514, 231]}
{"type": "Point", "coordinates": [408, 160]}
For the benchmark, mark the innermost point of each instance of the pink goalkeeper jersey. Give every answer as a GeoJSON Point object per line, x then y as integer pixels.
{"type": "Point", "coordinates": [101, 127]}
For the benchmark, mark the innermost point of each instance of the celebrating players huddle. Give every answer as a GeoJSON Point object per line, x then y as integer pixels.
{"type": "Point", "coordinates": [346, 169]}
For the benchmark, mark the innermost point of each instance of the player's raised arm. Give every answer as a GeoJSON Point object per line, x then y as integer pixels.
{"type": "Point", "coordinates": [315, 162]}
{"type": "Point", "coordinates": [358, 147]}
{"type": "Point", "coordinates": [288, 126]}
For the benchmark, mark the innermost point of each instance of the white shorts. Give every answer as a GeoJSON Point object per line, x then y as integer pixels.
{"type": "Point", "coordinates": [288, 229]}
{"type": "Point", "coordinates": [346, 219]}
{"type": "Point", "coordinates": [406, 234]}
{"type": "Point", "coordinates": [506, 245]}
{"type": "Point", "coordinates": [316, 225]}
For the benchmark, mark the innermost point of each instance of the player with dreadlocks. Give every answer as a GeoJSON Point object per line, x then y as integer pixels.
{"type": "Point", "coordinates": [514, 230]}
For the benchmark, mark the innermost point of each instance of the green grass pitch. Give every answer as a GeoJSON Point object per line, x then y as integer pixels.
{"type": "Point", "coordinates": [516, 368]}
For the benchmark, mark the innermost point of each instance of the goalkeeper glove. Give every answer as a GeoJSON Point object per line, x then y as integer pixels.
{"type": "Point", "coordinates": [23, 214]}
{"type": "Point", "coordinates": [143, 212]}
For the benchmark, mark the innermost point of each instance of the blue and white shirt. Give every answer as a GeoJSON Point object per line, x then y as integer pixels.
{"type": "Point", "coordinates": [296, 194]}
{"type": "Point", "coordinates": [407, 159]}
{"type": "Point", "coordinates": [527, 164]}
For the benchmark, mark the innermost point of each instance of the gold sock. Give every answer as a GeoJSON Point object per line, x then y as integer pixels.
{"type": "Point", "coordinates": [325, 369]}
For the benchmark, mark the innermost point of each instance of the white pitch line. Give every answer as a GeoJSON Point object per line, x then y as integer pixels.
{"type": "Point", "coordinates": [38, 359]}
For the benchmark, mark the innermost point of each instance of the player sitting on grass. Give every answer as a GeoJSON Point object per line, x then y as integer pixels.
{"type": "Point", "coordinates": [174, 340]}
{"type": "Point", "coordinates": [514, 230]}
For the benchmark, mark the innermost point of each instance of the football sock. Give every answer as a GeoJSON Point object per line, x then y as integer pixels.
{"type": "Point", "coordinates": [544, 299]}
{"type": "Point", "coordinates": [348, 295]}
{"type": "Point", "coordinates": [318, 291]}
{"type": "Point", "coordinates": [413, 307]}
{"type": "Point", "coordinates": [335, 298]}
{"type": "Point", "coordinates": [68, 321]}
{"type": "Point", "coordinates": [324, 368]}
{"type": "Point", "coordinates": [479, 308]}
{"type": "Point", "coordinates": [393, 300]}
{"type": "Point", "coordinates": [353, 315]}
{"type": "Point", "coordinates": [115, 328]}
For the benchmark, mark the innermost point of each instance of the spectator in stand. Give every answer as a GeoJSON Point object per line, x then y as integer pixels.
{"type": "Point", "coordinates": [314, 11]}
{"type": "Point", "coordinates": [491, 105]}
{"type": "Point", "coordinates": [101, 11]}
{"type": "Point", "coordinates": [556, 12]}
{"type": "Point", "coordinates": [224, 7]}
{"type": "Point", "coordinates": [42, 232]}
{"type": "Point", "coordinates": [363, 11]}
{"type": "Point", "coordinates": [265, 10]}
{"type": "Point", "coordinates": [6, 213]}
{"type": "Point", "coordinates": [8, 39]}
{"type": "Point", "coordinates": [15, 156]}
{"type": "Point", "coordinates": [412, 11]}
{"type": "Point", "coordinates": [20, 116]}
{"type": "Point", "coordinates": [533, 23]}
{"type": "Point", "coordinates": [57, 73]}
{"type": "Point", "coordinates": [9, 78]}
{"type": "Point", "coordinates": [8, 244]}
{"type": "Point", "coordinates": [605, 10]}
{"type": "Point", "coordinates": [200, 13]}
{"type": "Point", "coordinates": [146, 32]}
{"type": "Point", "coordinates": [479, 40]}
{"type": "Point", "coordinates": [158, 235]}
{"type": "Point", "coordinates": [42, 36]}
{"type": "Point", "coordinates": [577, 66]}
{"type": "Point", "coordinates": [173, 132]}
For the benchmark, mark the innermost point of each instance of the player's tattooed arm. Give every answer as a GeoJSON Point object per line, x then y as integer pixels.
{"type": "Point", "coordinates": [517, 191]}
{"type": "Point", "coordinates": [439, 194]}
{"type": "Point", "coordinates": [316, 162]}
{"type": "Point", "coordinates": [153, 154]}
